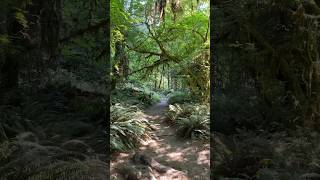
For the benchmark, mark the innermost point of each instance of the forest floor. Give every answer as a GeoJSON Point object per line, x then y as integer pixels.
{"type": "Point", "coordinates": [189, 156]}
{"type": "Point", "coordinates": [47, 131]}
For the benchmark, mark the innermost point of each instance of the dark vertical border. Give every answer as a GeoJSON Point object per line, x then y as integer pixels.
{"type": "Point", "coordinates": [108, 80]}
{"type": "Point", "coordinates": [212, 67]}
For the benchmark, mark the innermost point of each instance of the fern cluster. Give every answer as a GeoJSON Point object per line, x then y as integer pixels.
{"type": "Point", "coordinates": [281, 155]}
{"type": "Point", "coordinates": [42, 136]}
{"type": "Point", "coordinates": [128, 127]}
{"type": "Point", "coordinates": [192, 120]}
{"type": "Point", "coordinates": [24, 159]}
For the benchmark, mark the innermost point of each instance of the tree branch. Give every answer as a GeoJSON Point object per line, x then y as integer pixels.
{"type": "Point", "coordinates": [144, 51]}
{"type": "Point", "coordinates": [155, 64]}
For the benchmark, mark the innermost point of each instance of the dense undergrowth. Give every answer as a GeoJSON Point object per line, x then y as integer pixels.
{"type": "Point", "coordinates": [54, 132]}
{"type": "Point", "coordinates": [135, 94]}
{"type": "Point", "coordinates": [281, 155]}
{"type": "Point", "coordinates": [190, 116]}
{"type": "Point", "coordinates": [128, 127]}
{"type": "Point", "coordinates": [191, 120]}
{"type": "Point", "coordinates": [248, 145]}
{"type": "Point", "coordinates": [179, 97]}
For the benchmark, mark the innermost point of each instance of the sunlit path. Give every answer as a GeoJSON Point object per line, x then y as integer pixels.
{"type": "Point", "coordinates": [182, 156]}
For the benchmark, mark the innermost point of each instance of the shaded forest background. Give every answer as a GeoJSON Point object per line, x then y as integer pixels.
{"type": "Point", "coordinates": [53, 89]}
{"type": "Point", "coordinates": [265, 104]}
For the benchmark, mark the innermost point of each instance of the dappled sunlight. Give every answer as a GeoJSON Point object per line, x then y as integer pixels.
{"type": "Point", "coordinates": [189, 156]}
{"type": "Point", "coordinates": [176, 156]}
{"type": "Point", "coordinates": [181, 155]}
{"type": "Point", "coordinates": [203, 157]}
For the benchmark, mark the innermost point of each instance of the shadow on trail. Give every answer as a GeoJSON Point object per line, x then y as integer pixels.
{"type": "Point", "coordinates": [189, 156]}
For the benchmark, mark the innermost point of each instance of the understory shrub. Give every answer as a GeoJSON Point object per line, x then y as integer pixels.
{"type": "Point", "coordinates": [135, 95]}
{"type": "Point", "coordinates": [192, 120]}
{"type": "Point", "coordinates": [43, 136]}
{"type": "Point", "coordinates": [179, 97]}
{"type": "Point", "coordinates": [128, 127]}
{"type": "Point", "coordinates": [24, 159]}
{"type": "Point", "coordinates": [281, 155]}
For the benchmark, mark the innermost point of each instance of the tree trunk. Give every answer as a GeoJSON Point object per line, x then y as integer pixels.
{"type": "Point", "coordinates": [174, 82]}
{"type": "Point", "coordinates": [122, 59]}
{"type": "Point", "coordinates": [50, 18]}
{"type": "Point", "coordinates": [159, 87]}
{"type": "Point", "coordinates": [10, 68]}
{"type": "Point", "coordinates": [312, 117]}
{"type": "Point", "coordinates": [3, 31]}
{"type": "Point", "coordinates": [168, 78]}
{"type": "Point", "coordinates": [161, 77]}
{"type": "Point", "coordinates": [155, 81]}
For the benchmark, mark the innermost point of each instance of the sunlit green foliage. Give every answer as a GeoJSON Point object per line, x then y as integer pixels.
{"type": "Point", "coordinates": [191, 120]}
{"type": "Point", "coordinates": [128, 127]}
{"type": "Point", "coordinates": [135, 95]}
{"type": "Point", "coordinates": [179, 97]}
{"type": "Point", "coordinates": [168, 52]}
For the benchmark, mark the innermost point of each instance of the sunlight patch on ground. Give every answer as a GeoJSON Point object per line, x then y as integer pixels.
{"type": "Point", "coordinates": [189, 156]}
{"type": "Point", "coordinates": [203, 157]}
{"type": "Point", "coordinates": [176, 156]}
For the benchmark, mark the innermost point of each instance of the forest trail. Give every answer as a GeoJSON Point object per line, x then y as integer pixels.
{"type": "Point", "coordinates": [189, 156]}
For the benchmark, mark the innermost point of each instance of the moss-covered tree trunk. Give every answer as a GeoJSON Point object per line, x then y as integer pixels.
{"type": "Point", "coordinates": [122, 59]}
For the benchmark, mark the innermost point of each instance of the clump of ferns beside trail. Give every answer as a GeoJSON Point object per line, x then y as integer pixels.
{"type": "Point", "coordinates": [128, 127]}
{"type": "Point", "coordinates": [192, 120]}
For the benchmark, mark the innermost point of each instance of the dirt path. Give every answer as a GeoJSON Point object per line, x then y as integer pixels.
{"type": "Point", "coordinates": [191, 157]}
